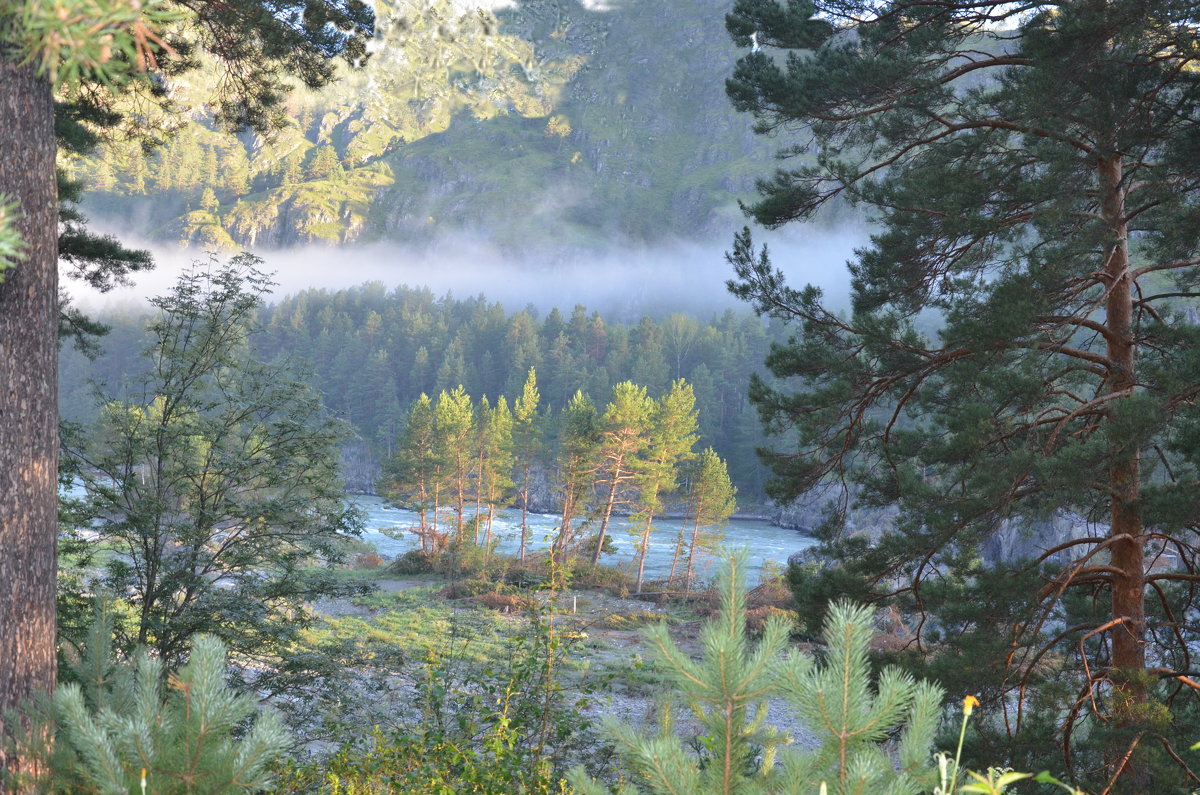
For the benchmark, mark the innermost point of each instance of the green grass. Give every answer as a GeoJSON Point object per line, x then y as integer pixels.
{"type": "Point", "coordinates": [400, 600]}
{"type": "Point", "coordinates": [422, 631]}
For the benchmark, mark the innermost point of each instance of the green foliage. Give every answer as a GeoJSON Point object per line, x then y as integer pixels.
{"type": "Point", "coordinates": [131, 726]}
{"type": "Point", "coordinates": [399, 761]}
{"type": "Point", "coordinates": [496, 460]}
{"type": "Point", "coordinates": [613, 580]}
{"type": "Point", "coordinates": [372, 374]}
{"type": "Point", "coordinates": [1020, 347]}
{"type": "Point", "coordinates": [527, 447]}
{"type": "Point", "coordinates": [99, 260]}
{"type": "Point", "coordinates": [454, 422]}
{"type": "Point", "coordinates": [624, 436]}
{"type": "Point", "coordinates": [218, 485]}
{"type": "Point", "coordinates": [107, 41]}
{"type": "Point", "coordinates": [579, 443]}
{"type": "Point", "coordinates": [853, 718]}
{"type": "Point", "coordinates": [672, 436]}
{"type": "Point", "coordinates": [711, 500]}
{"type": "Point", "coordinates": [324, 164]}
{"type": "Point", "coordinates": [413, 476]}
{"type": "Point", "coordinates": [875, 738]}
{"type": "Point", "coordinates": [208, 201]}
{"type": "Point", "coordinates": [492, 714]}
{"type": "Point", "coordinates": [447, 89]}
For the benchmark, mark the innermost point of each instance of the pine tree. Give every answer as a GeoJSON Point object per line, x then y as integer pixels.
{"type": "Point", "coordinates": [208, 201]}
{"type": "Point", "coordinates": [727, 690]}
{"type": "Point", "coordinates": [455, 423]}
{"type": "Point", "coordinates": [579, 442]}
{"type": "Point", "coordinates": [135, 173]}
{"type": "Point", "coordinates": [410, 478]}
{"type": "Point", "coordinates": [189, 162]}
{"type": "Point", "coordinates": [496, 477]}
{"type": "Point", "coordinates": [120, 732]}
{"type": "Point", "coordinates": [102, 56]}
{"type": "Point", "coordinates": [290, 169]}
{"type": "Point", "coordinates": [711, 501]}
{"type": "Point", "coordinates": [527, 438]}
{"type": "Point", "coordinates": [483, 413]}
{"type": "Point", "coordinates": [209, 176]}
{"type": "Point", "coordinates": [672, 436]}
{"type": "Point", "coordinates": [1033, 184]}
{"type": "Point", "coordinates": [624, 436]}
{"type": "Point", "coordinates": [522, 351]}
{"type": "Point", "coordinates": [104, 179]}
{"type": "Point", "coordinates": [324, 164]}
{"type": "Point", "coordinates": [235, 170]}
{"type": "Point", "coordinates": [164, 165]}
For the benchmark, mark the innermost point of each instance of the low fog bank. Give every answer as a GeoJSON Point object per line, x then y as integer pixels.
{"type": "Point", "coordinates": [622, 284]}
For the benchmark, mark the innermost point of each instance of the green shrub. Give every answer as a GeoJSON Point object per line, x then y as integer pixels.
{"type": "Point", "coordinates": [366, 560]}
{"type": "Point", "coordinates": [602, 578]}
{"type": "Point", "coordinates": [414, 561]}
{"type": "Point", "coordinates": [873, 738]}
{"type": "Point", "coordinates": [132, 727]}
{"type": "Point", "coordinates": [506, 724]}
{"type": "Point", "coordinates": [507, 603]}
{"type": "Point", "coordinates": [461, 561]}
{"type": "Point", "coordinates": [412, 763]}
{"type": "Point", "coordinates": [757, 617]}
{"type": "Point", "coordinates": [467, 588]}
{"type": "Point", "coordinates": [527, 574]}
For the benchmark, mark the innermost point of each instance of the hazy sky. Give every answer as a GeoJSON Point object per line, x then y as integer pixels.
{"type": "Point", "coordinates": [682, 276]}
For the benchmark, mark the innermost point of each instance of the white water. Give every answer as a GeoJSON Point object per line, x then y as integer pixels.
{"type": "Point", "coordinates": [387, 530]}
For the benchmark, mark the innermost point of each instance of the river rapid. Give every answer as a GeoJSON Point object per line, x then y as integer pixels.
{"type": "Point", "coordinates": [387, 529]}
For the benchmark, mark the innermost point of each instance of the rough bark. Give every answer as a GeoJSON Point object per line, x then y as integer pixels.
{"type": "Point", "coordinates": [28, 393]}
{"type": "Point", "coordinates": [1126, 533]}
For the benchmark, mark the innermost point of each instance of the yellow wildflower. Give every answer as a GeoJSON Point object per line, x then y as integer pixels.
{"type": "Point", "coordinates": [969, 705]}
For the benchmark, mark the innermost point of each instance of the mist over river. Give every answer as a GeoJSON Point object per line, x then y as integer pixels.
{"type": "Point", "coordinates": [387, 530]}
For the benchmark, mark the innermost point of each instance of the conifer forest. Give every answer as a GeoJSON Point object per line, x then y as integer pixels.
{"type": "Point", "coordinates": [571, 397]}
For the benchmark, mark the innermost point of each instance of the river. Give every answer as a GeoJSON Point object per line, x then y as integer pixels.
{"type": "Point", "coordinates": [766, 543]}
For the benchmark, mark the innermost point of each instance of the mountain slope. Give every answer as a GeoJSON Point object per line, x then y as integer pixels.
{"type": "Point", "coordinates": [568, 127]}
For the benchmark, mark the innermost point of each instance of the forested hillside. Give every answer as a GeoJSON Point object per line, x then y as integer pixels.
{"type": "Point", "coordinates": [374, 351]}
{"type": "Point", "coordinates": [571, 127]}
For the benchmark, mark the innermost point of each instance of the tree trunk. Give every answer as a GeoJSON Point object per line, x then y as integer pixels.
{"type": "Point", "coordinates": [424, 524]}
{"type": "Point", "coordinates": [608, 509]}
{"type": "Point", "coordinates": [28, 394]}
{"type": "Point", "coordinates": [437, 488]}
{"type": "Point", "coordinates": [460, 510]}
{"type": "Point", "coordinates": [1125, 478]}
{"type": "Point", "coordinates": [524, 517]}
{"type": "Point", "coordinates": [675, 558]}
{"type": "Point", "coordinates": [524, 512]}
{"type": "Point", "coordinates": [687, 578]}
{"type": "Point", "coordinates": [478, 494]}
{"type": "Point", "coordinates": [645, 546]}
{"type": "Point", "coordinates": [1126, 536]}
{"type": "Point", "coordinates": [564, 529]}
